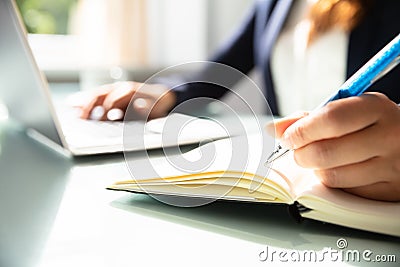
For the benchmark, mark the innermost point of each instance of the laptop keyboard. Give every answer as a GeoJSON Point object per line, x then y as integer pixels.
{"type": "Point", "coordinates": [93, 128]}
{"type": "Point", "coordinates": [91, 134]}
{"type": "Point", "coordinates": [73, 126]}
{"type": "Point", "coordinates": [98, 129]}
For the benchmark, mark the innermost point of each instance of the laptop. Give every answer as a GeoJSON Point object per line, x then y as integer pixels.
{"type": "Point", "coordinates": [25, 92]}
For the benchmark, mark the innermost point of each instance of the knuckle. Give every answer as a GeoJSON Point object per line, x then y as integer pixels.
{"type": "Point", "coordinates": [300, 159]}
{"type": "Point", "coordinates": [380, 100]}
{"type": "Point", "coordinates": [378, 96]}
{"type": "Point", "coordinates": [331, 115]}
{"type": "Point", "coordinates": [385, 104]}
{"type": "Point", "coordinates": [103, 90]}
{"type": "Point", "coordinates": [328, 177]}
{"type": "Point", "coordinates": [322, 153]}
{"type": "Point", "coordinates": [315, 155]}
{"type": "Point", "coordinates": [298, 135]}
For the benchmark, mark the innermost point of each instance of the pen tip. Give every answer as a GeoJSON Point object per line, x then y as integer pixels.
{"type": "Point", "coordinates": [270, 158]}
{"type": "Point", "coordinates": [267, 163]}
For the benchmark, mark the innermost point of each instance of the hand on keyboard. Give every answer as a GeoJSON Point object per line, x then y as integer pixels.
{"type": "Point", "coordinates": [149, 101]}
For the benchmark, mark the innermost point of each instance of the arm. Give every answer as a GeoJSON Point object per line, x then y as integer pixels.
{"type": "Point", "coordinates": [237, 52]}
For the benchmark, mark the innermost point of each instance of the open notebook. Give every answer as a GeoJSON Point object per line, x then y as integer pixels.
{"type": "Point", "coordinates": [285, 183]}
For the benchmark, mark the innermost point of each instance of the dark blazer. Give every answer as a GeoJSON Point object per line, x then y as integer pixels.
{"type": "Point", "coordinates": [252, 44]}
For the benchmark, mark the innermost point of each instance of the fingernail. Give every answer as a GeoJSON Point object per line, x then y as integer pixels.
{"type": "Point", "coordinates": [115, 114]}
{"type": "Point", "coordinates": [97, 113]}
{"type": "Point", "coordinates": [286, 142]}
{"type": "Point", "coordinates": [140, 103]}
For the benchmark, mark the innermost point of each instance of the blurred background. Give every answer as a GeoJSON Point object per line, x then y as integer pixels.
{"type": "Point", "coordinates": [68, 36]}
{"type": "Point", "coordinates": [101, 41]}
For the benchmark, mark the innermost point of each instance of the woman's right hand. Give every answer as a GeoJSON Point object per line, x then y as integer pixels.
{"type": "Point", "coordinates": [149, 100]}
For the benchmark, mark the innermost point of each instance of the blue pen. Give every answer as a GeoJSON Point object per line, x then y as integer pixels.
{"type": "Point", "coordinates": [377, 67]}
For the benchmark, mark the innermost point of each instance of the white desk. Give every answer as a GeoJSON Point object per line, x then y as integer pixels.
{"type": "Point", "coordinates": [54, 211]}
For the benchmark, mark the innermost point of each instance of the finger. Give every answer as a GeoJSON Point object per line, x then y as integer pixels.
{"type": "Point", "coordinates": [88, 108]}
{"type": "Point", "coordinates": [119, 103]}
{"type": "Point", "coordinates": [277, 127]}
{"type": "Point", "coordinates": [354, 175]}
{"type": "Point", "coordinates": [138, 109]}
{"type": "Point", "coordinates": [119, 98]}
{"type": "Point", "coordinates": [95, 99]}
{"type": "Point", "coordinates": [121, 93]}
{"type": "Point", "coordinates": [336, 119]}
{"type": "Point", "coordinates": [352, 148]}
{"type": "Point", "coordinates": [142, 107]}
{"type": "Point", "coordinates": [380, 191]}
{"type": "Point", "coordinates": [115, 114]}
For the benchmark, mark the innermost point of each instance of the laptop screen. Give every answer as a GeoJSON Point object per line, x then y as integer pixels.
{"type": "Point", "coordinates": [22, 88]}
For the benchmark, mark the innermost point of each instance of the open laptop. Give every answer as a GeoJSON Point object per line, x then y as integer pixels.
{"type": "Point", "coordinates": [24, 91]}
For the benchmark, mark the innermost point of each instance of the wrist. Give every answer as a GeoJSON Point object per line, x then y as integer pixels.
{"type": "Point", "coordinates": [169, 99]}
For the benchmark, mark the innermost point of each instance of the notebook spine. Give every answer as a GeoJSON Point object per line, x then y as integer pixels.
{"type": "Point", "coordinates": [296, 209]}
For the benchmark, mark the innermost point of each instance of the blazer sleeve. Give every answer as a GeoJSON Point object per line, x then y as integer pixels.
{"type": "Point", "coordinates": [380, 26]}
{"type": "Point", "coordinates": [237, 52]}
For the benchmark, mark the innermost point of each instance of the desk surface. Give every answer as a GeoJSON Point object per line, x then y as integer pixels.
{"type": "Point", "coordinates": [56, 212]}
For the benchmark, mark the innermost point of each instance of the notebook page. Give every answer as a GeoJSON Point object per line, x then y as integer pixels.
{"type": "Point", "coordinates": [218, 156]}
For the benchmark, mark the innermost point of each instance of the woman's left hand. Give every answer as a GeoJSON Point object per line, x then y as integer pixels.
{"type": "Point", "coordinates": [352, 143]}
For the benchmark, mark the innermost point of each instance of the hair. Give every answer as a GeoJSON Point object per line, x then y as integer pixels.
{"type": "Point", "coordinates": [325, 15]}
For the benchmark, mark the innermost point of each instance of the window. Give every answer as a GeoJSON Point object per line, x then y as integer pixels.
{"type": "Point", "coordinates": [46, 16]}
{"type": "Point", "coordinates": [48, 23]}
{"type": "Point", "coordinates": [68, 36]}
